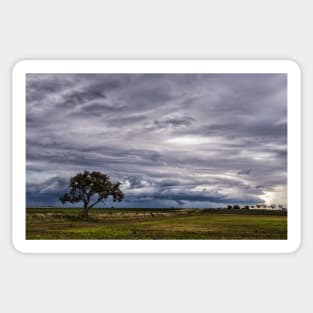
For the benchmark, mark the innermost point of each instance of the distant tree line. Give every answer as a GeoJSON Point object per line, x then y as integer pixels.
{"type": "Point", "coordinates": [257, 206]}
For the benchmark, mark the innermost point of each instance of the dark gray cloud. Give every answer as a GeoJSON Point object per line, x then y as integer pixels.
{"type": "Point", "coordinates": [192, 140]}
{"type": "Point", "coordinates": [244, 172]}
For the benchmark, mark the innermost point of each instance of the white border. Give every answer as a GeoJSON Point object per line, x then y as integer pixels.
{"type": "Point", "coordinates": [156, 246]}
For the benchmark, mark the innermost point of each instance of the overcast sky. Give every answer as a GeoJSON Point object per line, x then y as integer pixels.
{"type": "Point", "coordinates": [173, 140]}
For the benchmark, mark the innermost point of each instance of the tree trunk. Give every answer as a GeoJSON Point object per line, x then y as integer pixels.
{"type": "Point", "coordinates": [85, 213]}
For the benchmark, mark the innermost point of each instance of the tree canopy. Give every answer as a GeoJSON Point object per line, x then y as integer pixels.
{"type": "Point", "coordinates": [91, 188]}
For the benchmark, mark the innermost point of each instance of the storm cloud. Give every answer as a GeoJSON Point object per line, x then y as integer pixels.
{"type": "Point", "coordinates": [173, 140]}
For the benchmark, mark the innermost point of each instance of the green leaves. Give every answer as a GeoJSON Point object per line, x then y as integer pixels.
{"type": "Point", "coordinates": [92, 188]}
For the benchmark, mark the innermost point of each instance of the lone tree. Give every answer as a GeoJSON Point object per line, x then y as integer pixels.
{"type": "Point", "coordinates": [91, 188]}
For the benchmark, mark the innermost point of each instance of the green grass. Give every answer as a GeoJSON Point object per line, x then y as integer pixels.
{"type": "Point", "coordinates": [57, 223]}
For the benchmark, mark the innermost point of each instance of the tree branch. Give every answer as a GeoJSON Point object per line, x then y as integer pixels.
{"type": "Point", "coordinates": [97, 201]}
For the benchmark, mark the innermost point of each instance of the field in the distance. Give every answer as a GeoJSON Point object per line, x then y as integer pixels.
{"type": "Point", "coordinates": [56, 223]}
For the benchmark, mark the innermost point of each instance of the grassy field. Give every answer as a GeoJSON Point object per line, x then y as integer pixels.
{"type": "Point", "coordinates": [55, 223]}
